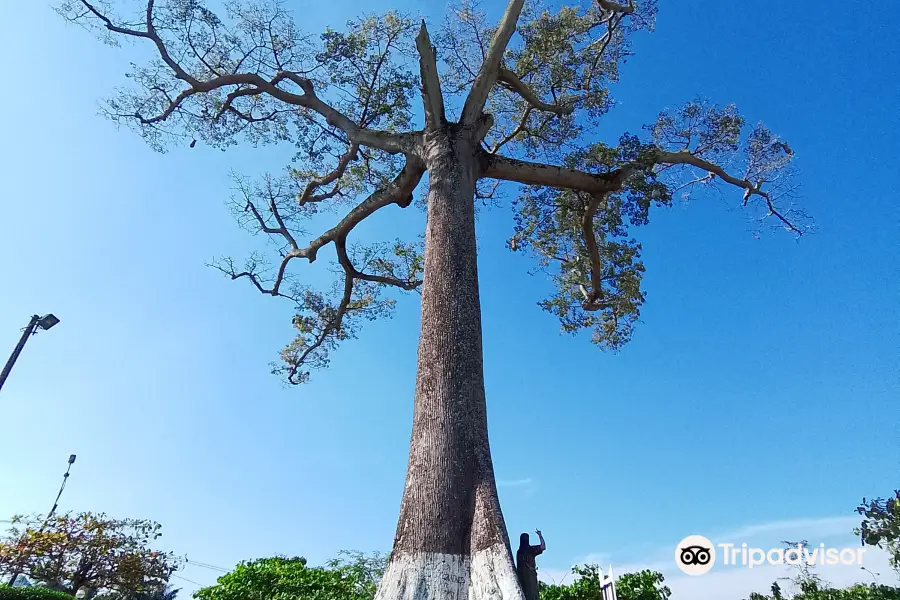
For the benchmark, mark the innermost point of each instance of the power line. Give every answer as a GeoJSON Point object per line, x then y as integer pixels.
{"type": "Point", "coordinates": [188, 580]}
{"type": "Point", "coordinates": [207, 566]}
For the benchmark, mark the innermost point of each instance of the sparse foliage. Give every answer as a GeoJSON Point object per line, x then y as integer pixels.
{"type": "Point", "coordinates": [881, 525]}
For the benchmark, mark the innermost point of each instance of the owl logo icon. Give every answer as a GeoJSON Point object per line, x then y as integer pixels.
{"type": "Point", "coordinates": [695, 555]}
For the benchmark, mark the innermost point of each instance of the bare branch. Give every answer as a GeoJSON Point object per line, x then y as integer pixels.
{"type": "Point", "coordinates": [685, 157]}
{"type": "Point", "coordinates": [432, 98]}
{"type": "Point", "coordinates": [520, 128]}
{"type": "Point", "coordinates": [514, 83]}
{"type": "Point", "coordinates": [349, 268]}
{"type": "Point", "coordinates": [330, 328]}
{"type": "Point", "coordinates": [490, 69]}
{"type": "Point", "coordinates": [317, 182]}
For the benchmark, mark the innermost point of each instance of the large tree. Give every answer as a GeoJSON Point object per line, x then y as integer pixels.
{"type": "Point", "coordinates": [513, 102]}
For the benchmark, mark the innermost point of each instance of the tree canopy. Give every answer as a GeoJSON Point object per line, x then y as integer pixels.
{"type": "Point", "coordinates": [817, 591]}
{"type": "Point", "coordinates": [533, 87]}
{"type": "Point", "coordinates": [352, 576]}
{"type": "Point", "coordinates": [643, 585]}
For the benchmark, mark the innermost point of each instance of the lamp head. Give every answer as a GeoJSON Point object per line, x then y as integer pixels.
{"type": "Point", "coordinates": [47, 321]}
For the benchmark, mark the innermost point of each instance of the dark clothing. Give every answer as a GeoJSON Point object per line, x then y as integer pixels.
{"type": "Point", "coordinates": [527, 570]}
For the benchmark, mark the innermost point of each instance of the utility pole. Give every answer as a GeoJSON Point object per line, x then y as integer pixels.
{"type": "Point", "coordinates": [36, 322]}
{"type": "Point", "coordinates": [26, 554]}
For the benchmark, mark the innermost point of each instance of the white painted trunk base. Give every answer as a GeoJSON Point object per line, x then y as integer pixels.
{"type": "Point", "coordinates": [487, 575]}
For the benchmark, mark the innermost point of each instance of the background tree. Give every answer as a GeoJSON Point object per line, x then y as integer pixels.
{"type": "Point", "coordinates": [805, 577]}
{"type": "Point", "coordinates": [643, 585]}
{"type": "Point", "coordinates": [881, 525]}
{"type": "Point", "coordinates": [282, 578]}
{"type": "Point", "coordinates": [87, 551]}
{"type": "Point", "coordinates": [162, 592]}
{"type": "Point", "coordinates": [510, 102]}
{"type": "Point", "coordinates": [365, 570]}
{"type": "Point", "coordinates": [31, 593]}
{"type": "Point", "coordinates": [818, 591]}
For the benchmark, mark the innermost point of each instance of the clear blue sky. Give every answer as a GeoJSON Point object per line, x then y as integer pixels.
{"type": "Point", "coordinates": [757, 388]}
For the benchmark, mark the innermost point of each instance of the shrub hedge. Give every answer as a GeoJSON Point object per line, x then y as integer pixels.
{"type": "Point", "coordinates": [31, 593]}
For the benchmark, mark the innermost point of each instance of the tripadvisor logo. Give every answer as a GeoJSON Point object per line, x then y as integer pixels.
{"type": "Point", "coordinates": [696, 555]}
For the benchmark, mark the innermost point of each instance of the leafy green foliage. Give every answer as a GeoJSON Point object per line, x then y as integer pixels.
{"type": "Point", "coordinates": [815, 591]}
{"type": "Point", "coordinates": [377, 91]}
{"type": "Point", "coordinates": [644, 585]}
{"type": "Point", "coordinates": [352, 577]}
{"type": "Point", "coordinates": [87, 550]}
{"type": "Point", "coordinates": [548, 223]}
{"type": "Point", "coordinates": [881, 525]}
{"type": "Point", "coordinates": [365, 570]}
{"type": "Point", "coordinates": [31, 593]}
{"type": "Point", "coordinates": [164, 592]}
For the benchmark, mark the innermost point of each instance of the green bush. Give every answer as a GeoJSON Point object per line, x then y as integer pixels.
{"type": "Point", "coordinates": [31, 593]}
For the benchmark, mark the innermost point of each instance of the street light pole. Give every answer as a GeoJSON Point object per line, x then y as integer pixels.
{"type": "Point", "coordinates": [36, 322]}
{"type": "Point", "coordinates": [24, 557]}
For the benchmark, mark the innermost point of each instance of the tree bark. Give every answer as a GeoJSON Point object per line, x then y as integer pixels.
{"type": "Point", "coordinates": [451, 540]}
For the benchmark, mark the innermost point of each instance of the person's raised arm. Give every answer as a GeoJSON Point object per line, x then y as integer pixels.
{"type": "Point", "coordinates": [543, 546]}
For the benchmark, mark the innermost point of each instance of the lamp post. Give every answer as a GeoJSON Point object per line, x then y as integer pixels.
{"type": "Point", "coordinates": [25, 556]}
{"type": "Point", "coordinates": [36, 322]}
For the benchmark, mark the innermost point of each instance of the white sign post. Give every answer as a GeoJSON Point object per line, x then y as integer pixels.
{"type": "Point", "coordinates": [608, 586]}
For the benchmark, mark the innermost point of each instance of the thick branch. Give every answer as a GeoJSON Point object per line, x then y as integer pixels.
{"type": "Point", "coordinates": [432, 97]}
{"type": "Point", "coordinates": [593, 301]}
{"type": "Point", "coordinates": [615, 7]}
{"type": "Point", "coordinates": [529, 173]}
{"type": "Point", "coordinates": [513, 82]}
{"type": "Point", "coordinates": [490, 69]}
{"type": "Point", "coordinates": [398, 192]}
{"type": "Point", "coordinates": [349, 268]}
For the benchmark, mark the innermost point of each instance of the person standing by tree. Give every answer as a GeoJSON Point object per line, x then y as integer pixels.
{"type": "Point", "coordinates": [526, 567]}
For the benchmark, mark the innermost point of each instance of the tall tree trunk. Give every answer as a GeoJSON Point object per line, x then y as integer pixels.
{"type": "Point", "coordinates": [451, 541]}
